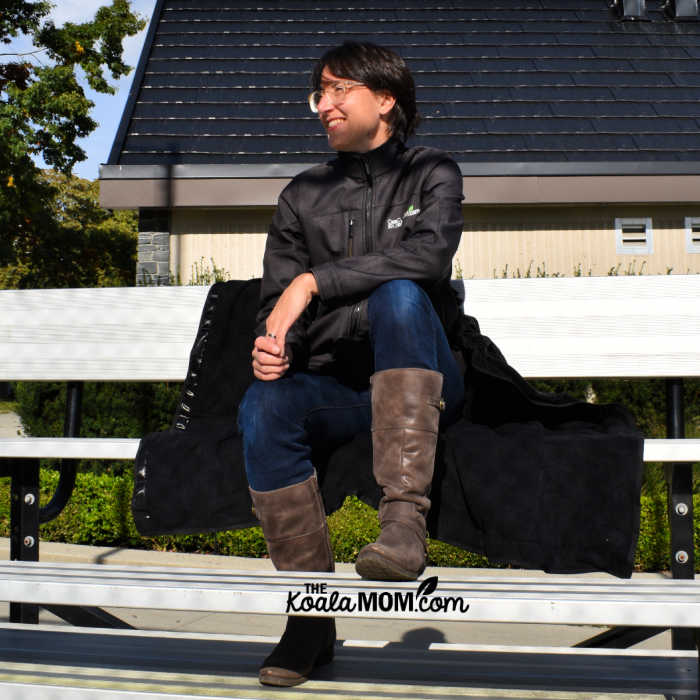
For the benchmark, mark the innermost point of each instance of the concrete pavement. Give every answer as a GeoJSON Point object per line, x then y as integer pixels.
{"type": "Point", "coordinates": [10, 425]}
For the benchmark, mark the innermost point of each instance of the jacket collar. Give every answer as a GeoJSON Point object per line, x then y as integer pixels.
{"type": "Point", "coordinates": [363, 166]}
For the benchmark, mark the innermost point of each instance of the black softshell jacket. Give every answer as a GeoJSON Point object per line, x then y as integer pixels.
{"type": "Point", "coordinates": [357, 222]}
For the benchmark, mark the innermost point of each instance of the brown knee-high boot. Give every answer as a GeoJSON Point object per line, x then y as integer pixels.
{"type": "Point", "coordinates": [293, 520]}
{"type": "Point", "coordinates": [406, 405]}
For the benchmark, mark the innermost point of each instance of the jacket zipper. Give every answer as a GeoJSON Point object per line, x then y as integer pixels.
{"type": "Point", "coordinates": [367, 241]}
{"type": "Point", "coordinates": [367, 205]}
{"type": "Point", "coordinates": [354, 319]}
{"type": "Point", "coordinates": [351, 223]}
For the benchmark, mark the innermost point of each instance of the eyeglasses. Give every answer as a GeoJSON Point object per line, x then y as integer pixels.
{"type": "Point", "coordinates": [336, 93]}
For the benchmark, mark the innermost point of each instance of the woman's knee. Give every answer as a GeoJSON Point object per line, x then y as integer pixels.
{"type": "Point", "coordinates": [259, 411]}
{"type": "Point", "coordinates": [248, 407]}
{"type": "Point", "coordinates": [268, 424]}
{"type": "Point", "coordinates": [398, 301]}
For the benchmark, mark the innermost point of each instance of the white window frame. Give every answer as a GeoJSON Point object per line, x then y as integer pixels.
{"type": "Point", "coordinates": [690, 245]}
{"type": "Point", "coordinates": [622, 249]}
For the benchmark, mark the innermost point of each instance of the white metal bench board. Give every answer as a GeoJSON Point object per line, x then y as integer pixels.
{"type": "Point", "coordinates": [549, 600]}
{"type": "Point", "coordinates": [646, 326]}
{"type": "Point", "coordinates": [655, 449]}
{"type": "Point", "coordinates": [109, 334]}
{"type": "Point", "coordinates": [550, 327]}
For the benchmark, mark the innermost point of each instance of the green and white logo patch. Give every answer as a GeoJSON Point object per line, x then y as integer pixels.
{"type": "Point", "coordinates": [397, 223]}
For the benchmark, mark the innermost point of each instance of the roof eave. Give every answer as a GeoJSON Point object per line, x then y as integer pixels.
{"type": "Point", "coordinates": [490, 184]}
{"type": "Point", "coordinates": [471, 169]}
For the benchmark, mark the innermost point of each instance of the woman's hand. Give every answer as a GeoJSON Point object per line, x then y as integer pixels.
{"type": "Point", "coordinates": [270, 360]}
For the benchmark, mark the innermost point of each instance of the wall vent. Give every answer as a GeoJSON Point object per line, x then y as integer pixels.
{"type": "Point", "coordinates": [634, 237]}
{"type": "Point", "coordinates": [692, 234]}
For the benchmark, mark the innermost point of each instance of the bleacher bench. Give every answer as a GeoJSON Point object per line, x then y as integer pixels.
{"type": "Point", "coordinates": [634, 327]}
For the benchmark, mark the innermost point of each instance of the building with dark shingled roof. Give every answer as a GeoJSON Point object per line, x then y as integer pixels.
{"type": "Point", "coordinates": [577, 131]}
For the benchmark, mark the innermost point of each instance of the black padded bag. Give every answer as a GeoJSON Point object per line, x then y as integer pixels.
{"type": "Point", "coordinates": [191, 478]}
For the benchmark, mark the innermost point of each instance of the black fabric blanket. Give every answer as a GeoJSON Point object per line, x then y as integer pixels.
{"type": "Point", "coordinates": [536, 480]}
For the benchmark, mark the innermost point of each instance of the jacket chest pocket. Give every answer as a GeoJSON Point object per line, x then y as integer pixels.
{"type": "Point", "coordinates": [332, 236]}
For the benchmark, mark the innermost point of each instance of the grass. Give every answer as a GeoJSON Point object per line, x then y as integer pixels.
{"type": "Point", "coordinates": [8, 406]}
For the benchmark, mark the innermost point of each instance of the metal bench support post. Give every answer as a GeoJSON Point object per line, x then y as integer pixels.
{"type": "Point", "coordinates": [680, 504]}
{"type": "Point", "coordinates": [74, 403]}
{"type": "Point", "coordinates": [78, 615]}
{"type": "Point", "coordinates": [24, 523]}
{"type": "Point", "coordinates": [69, 467]}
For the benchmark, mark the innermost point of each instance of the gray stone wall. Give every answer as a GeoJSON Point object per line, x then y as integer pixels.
{"type": "Point", "coordinates": [153, 248]}
{"type": "Point", "coordinates": [153, 258]}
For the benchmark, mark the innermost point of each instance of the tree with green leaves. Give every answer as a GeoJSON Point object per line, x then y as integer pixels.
{"type": "Point", "coordinates": [88, 246]}
{"type": "Point", "coordinates": [43, 111]}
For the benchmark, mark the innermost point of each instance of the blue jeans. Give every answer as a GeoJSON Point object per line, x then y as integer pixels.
{"type": "Point", "coordinates": [282, 420]}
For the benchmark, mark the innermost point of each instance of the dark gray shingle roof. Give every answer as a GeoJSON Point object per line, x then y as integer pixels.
{"type": "Point", "coordinates": [520, 81]}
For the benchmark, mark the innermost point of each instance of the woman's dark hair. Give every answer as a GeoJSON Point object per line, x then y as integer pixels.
{"type": "Point", "coordinates": [379, 69]}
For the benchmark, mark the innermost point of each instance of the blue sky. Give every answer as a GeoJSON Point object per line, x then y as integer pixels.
{"type": "Point", "coordinates": [108, 108]}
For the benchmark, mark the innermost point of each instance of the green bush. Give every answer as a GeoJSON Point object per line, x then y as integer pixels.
{"type": "Point", "coordinates": [443, 554]}
{"type": "Point", "coordinates": [356, 524]}
{"type": "Point", "coordinates": [99, 514]}
{"type": "Point", "coordinates": [109, 409]}
{"type": "Point", "coordinates": [351, 528]}
{"type": "Point", "coordinates": [653, 545]}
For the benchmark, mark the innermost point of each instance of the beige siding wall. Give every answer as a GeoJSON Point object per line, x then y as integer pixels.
{"type": "Point", "coordinates": [496, 241]}
{"type": "Point", "coordinates": [564, 240]}
{"type": "Point", "coordinates": [234, 239]}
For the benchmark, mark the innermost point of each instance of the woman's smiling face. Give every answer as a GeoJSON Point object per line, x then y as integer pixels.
{"type": "Point", "coordinates": [359, 123]}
